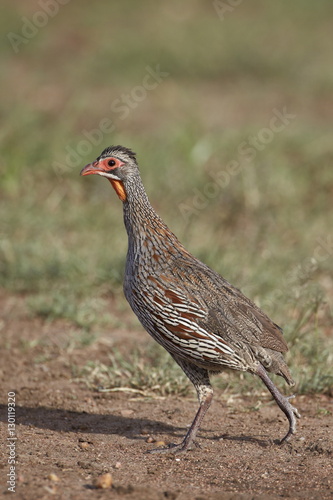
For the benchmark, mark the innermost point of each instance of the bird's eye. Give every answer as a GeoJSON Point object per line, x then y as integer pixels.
{"type": "Point", "coordinates": [111, 163]}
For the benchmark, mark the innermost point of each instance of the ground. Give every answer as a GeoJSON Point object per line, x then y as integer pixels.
{"type": "Point", "coordinates": [68, 434]}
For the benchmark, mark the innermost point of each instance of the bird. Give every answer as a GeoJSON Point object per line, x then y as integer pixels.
{"type": "Point", "coordinates": [205, 323]}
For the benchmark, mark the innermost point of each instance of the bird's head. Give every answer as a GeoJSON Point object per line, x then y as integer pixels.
{"type": "Point", "coordinates": [117, 164]}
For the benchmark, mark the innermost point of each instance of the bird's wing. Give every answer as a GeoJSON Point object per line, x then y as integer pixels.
{"type": "Point", "coordinates": [223, 309]}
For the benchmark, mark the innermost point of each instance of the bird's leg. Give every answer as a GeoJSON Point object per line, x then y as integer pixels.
{"type": "Point", "coordinates": [188, 440]}
{"type": "Point", "coordinates": [282, 401]}
{"type": "Point", "coordinates": [200, 379]}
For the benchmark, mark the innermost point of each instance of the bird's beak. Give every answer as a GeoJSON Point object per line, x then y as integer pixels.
{"type": "Point", "coordinates": [91, 168]}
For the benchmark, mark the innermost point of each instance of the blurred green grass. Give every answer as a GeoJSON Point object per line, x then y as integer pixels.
{"type": "Point", "coordinates": [62, 241]}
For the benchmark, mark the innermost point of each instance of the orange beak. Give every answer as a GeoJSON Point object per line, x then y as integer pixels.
{"type": "Point", "coordinates": [91, 168]}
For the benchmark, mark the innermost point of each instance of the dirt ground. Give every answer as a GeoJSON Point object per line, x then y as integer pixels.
{"type": "Point", "coordinates": [68, 435]}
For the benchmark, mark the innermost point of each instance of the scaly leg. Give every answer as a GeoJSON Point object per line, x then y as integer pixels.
{"type": "Point", "coordinates": [200, 379]}
{"type": "Point", "coordinates": [282, 401]}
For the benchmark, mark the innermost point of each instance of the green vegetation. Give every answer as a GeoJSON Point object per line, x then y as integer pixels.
{"type": "Point", "coordinates": [251, 197]}
{"type": "Point", "coordinates": [145, 373]}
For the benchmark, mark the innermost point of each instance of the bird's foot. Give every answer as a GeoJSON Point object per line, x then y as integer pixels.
{"type": "Point", "coordinates": [175, 448]}
{"type": "Point", "coordinates": [283, 402]}
{"type": "Point", "coordinates": [291, 412]}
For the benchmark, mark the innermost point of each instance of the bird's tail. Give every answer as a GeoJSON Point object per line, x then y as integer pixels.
{"type": "Point", "coordinates": [285, 373]}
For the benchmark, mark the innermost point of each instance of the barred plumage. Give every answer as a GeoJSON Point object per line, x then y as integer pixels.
{"type": "Point", "coordinates": [204, 322]}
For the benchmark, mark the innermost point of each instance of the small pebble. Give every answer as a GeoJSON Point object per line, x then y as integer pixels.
{"type": "Point", "coordinates": [51, 490]}
{"type": "Point", "coordinates": [103, 482]}
{"type": "Point", "coordinates": [160, 443]}
{"type": "Point", "coordinates": [117, 465]}
{"type": "Point", "coordinates": [150, 439]}
{"type": "Point", "coordinates": [126, 413]}
{"type": "Point", "coordinates": [84, 445]}
{"type": "Point", "coordinates": [53, 477]}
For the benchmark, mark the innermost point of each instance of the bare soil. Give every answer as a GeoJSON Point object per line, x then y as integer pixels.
{"type": "Point", "coordinates": [68, 435]}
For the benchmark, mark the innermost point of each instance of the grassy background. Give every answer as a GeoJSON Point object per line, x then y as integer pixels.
{"type": "Point", "coordinates": [267, 229]}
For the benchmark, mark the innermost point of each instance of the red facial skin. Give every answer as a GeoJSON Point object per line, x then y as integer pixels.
{"type": "Point", "coordinates": [101, 167]}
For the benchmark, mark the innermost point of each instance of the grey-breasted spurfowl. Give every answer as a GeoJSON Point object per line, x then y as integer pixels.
{"type": "Point", "coordinates": [204, 322]}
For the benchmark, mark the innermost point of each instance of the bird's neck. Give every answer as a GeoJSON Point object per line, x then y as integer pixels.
{"type": "Point", "coordinates": [144, 227]}
{"type": "Point", "coordinates": [138, 212]}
